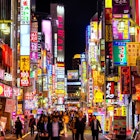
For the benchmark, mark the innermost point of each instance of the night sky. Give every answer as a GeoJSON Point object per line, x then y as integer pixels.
{"type": "Point", "coordinates": [77, 16]}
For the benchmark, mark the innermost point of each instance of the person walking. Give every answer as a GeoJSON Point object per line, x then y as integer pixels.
{"type": "Point", "coordinates": [46, 129]}
{"type": "Point", "coordinates": [18, 127]}
{"type": "Point", "coordinates": [55, 128]}
{"type": "Point", "coordinates": [32, 124]}
{"type": "Point", "coordinates": [26, 124]}
{"type": "Point", "coordinates": [72, 128]}
{"type": "Point", "coordinates": [65, 122]}
{"type": "Point", "coordinates": [95, 127]}
{"type": "Point", "coordinates": [80, 126]}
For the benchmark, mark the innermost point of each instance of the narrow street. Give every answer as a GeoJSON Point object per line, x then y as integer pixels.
{"type": "Point", "coordinates": [69, 137]}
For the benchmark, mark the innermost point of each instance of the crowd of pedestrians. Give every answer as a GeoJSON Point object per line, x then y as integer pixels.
{"type": "Point", "coordinates": [55, 125]}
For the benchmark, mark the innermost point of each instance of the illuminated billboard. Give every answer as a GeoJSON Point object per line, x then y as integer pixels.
{"type": "Point", "coordinates": [72, 75]}
{"type": "Point", "coordinates": [125, 80]}
{"type": "Point", "coordinates": [121, 6]}
{"type": "Point", "coordinates": [24, 39]}
{"type": "Point", "coordinates": [87, 35]}
{"type": "Point", "coordinates": [34, 42]}
{"type": "Point", "coordinates": [133, 51]}
{"type": "Point", "coordinates": [60, 33]}
{"type": "Point", "coordinates": [118, 33]}
{"type": "Point", "coordinates": [25, 11]}
{"type": "Point", "coordinates": [24, 70]}
{"type": "Point", "coordinates": [25, 27]}
{"type": "Point", "coordinates": [47, 32]}
{"type": "Point", "coordinates": [119, 53]}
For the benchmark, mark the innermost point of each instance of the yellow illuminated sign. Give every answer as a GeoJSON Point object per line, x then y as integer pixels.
{"type": "Point", "coordinates": [107, 125]}
{"type": "Point", "coordinates": [110, 108]}
{"type": "Point", "coordinates": [39, 72]}
{"type": "Point", "coordinates": [108, 3]}
{"type": "Point", "coordinates": [25, 63]}
{"type": "Point", "coordinates": [133, 49]}
{"type": "Point", "coordinates": [98, 96]}
{"type": "Point", "coordinates": [60, 91]}
{"type": "Point", "coordinates": [123, 111]}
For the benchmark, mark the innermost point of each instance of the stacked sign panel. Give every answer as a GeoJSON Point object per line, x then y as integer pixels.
{"type": "Point", "coordinates": [25, 43]}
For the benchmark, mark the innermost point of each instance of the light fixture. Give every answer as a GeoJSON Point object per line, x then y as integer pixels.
{"type": "Point", "coordinates": [121, 25]}
{"type": "Point", "coordinates": [3, 26]}
{"type": "Point", "coordinates": [132, 30]}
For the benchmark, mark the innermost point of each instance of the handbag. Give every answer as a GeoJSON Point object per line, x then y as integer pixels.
{"type": "Point", "coordinates": [35, 128]}
{"type": "Point", "coordinates": [74, 131]}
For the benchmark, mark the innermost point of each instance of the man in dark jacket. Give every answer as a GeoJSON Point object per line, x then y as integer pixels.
{"type": "Point", "coordinates": [46, 129]}
{"type": "Point", "coordinates": [32, 124]}
{"type": "Point", "coordinates": [95, 126]}
{"type": "Point", "coordinates": [55, 128]}
{"type": "Point", "coordinates": [80, 126]}
{"type": "Point", "coordinates": [18, 127]}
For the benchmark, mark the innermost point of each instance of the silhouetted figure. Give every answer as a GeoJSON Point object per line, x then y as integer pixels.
{"type": "Point", "coordinates": [18, 127]}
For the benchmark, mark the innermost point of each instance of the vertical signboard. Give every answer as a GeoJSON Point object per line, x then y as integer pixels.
{"type": "Point", "coordinates": [24, 70]}
{"type": "Point", "coordinates": [108, 38]}
{"type": "Point", "coordinates": [133, 51]}
{"type": "Point", "coordinates": [102, 54]}
{"type": "Point", "coordinates": [110, 90]}
{"type": "Point", "coordinates": [125, 80]}
{"type": "Point", "coordinates": [39, 45]}
{"type": "Point", "coordinates": [25, 27]}
{"type": "Point", "coordinates": [25, 42]}
{"type": "Point", "coordinates": [88, 32]}
{"type": "Point", "coordinates": [34, 41]}
{"type": "Point", "coordinates": [47, 32]}
{"type": "Point", "coordinates": [60, 33]}
{"type": "Point", "coordinates": [90, 90]}
{"type": "Point", "coordinates": [119, 53]}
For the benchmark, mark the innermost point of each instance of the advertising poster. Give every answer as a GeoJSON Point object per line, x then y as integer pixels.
{"type": "Point", "coordinates": [119, 126]}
